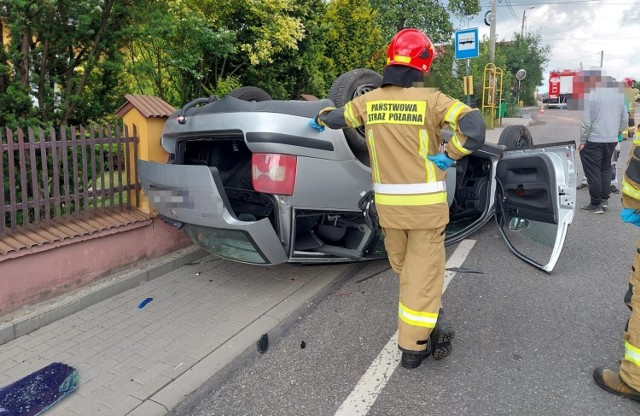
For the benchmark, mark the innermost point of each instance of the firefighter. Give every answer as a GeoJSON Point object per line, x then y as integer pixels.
{"type": "Point", "coordinates": [630, 95]}
{"type": "Point", "coordinates": [626, 382]}
{"type": "Point", "coordinates": [403, 122]}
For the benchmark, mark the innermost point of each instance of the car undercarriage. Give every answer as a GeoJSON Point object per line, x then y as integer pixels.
{"type": "Point", "coordinates": [319, 233]}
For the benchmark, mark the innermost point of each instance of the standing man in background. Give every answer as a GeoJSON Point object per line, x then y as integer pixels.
{"type": "Point", "coordinates": [604, 118]}
{"type": "Point", "coordinates": [403, 122]}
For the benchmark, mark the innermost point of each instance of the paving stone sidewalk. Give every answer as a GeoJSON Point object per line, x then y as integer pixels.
{"type": "Point", "coordinates": [144, 361]}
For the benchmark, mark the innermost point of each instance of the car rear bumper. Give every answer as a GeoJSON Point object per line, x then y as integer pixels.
{"type": "Point", "coordinates": [194, 195]}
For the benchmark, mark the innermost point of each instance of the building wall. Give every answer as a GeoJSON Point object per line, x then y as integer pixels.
{"type": "Point", "coordinates": [42, 273]}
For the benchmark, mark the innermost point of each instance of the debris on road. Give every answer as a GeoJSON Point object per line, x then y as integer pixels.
{"type": "Point", "coordinates": [144, 303]}
{"type": "Point", "coordinates": [464, 270]}
{"type": "Point", "coordinates": [373, 275]}
{"type": "Point", "coordinates": [35, 393]}
{"type": "Point", "coordinates": [263, 343]}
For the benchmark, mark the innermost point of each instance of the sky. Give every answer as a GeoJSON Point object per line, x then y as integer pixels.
{"type": "Point", "coordinates": [580, 33]}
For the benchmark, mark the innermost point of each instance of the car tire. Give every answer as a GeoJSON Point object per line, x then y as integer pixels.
{"type": "Point", "coordinates": [516, 138]}
{"type": "Point", "coordinates": [250, 94]}
{"type": "Point", "coordinates": [345, 88]}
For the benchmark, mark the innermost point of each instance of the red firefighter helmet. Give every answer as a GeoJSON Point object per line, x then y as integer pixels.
{"type": "Point", "coordinates": [411, 47]}
{"type": "Point", "coordinates": [628, 82]}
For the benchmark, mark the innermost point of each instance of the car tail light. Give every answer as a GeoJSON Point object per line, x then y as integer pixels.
{"type": "Point", "coordinates": [273, 173]}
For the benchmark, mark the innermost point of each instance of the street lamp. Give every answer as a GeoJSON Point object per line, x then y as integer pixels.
{"type": "Point", "coordinates": [524, 16]}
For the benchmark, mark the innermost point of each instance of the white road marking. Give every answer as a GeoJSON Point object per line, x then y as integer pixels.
{"type": "Point", "coordinates": [378, 374]}
{"type": "Point", "coordinates": [456, 260]}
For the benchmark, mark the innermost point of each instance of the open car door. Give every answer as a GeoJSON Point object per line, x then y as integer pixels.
{"type": "Point", "coordinates": [536, 197]}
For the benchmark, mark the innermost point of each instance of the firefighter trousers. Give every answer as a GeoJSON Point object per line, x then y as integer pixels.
{"type": "Point", "coordinates": [630, 366]}
{"type": "Point", "coordinates": [418, 257]}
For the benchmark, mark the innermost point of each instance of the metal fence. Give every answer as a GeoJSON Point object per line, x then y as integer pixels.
{"type": "Point", "coordinates": [65, 174]}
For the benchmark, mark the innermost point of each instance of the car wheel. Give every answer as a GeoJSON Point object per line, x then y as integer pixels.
{"type": "Point", "coordinates": [515, 138]}
{"type": "Point", "coordinates": [344, 89]}
{"type": "Point", "coordinates": [250, 94]}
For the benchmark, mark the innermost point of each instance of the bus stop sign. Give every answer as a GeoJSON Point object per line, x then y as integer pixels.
{"type": "Point", "coordinates": [467, 45]}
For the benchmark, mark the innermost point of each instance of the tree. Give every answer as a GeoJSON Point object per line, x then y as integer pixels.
{"type": "Point", "coordinates": [173, 50]}
{"type": "Point", "coordinates": [528, 53]}
{"type": "Point", "coordinates": [329, 38]}
{"type": "Point", "coordinates": [54, 52]}
{"type": "Point", "coordinates": [304, 69]}
{"type": "Point", "coordinates": [263, 30]}
{"type": "Point", "coordinates": [431, 16]}
{"type": "Point", "coordinates": [192, 48]}
{"type": "Point", "coordinates": [352, 38]}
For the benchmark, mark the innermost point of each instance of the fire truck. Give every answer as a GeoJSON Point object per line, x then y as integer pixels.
{"type": "Point", "coordinates": [561, 88]}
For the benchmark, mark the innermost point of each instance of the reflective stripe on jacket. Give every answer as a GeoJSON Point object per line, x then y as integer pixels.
{"type": "Point", "coordinates": [403, 126]}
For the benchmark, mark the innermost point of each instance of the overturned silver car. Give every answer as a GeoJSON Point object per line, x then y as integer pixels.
{"type": "Point", "coordinates": [250, 181]}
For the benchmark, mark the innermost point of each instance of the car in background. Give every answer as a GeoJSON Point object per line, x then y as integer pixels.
{"type": "Point", "coordinates": [250, 181]}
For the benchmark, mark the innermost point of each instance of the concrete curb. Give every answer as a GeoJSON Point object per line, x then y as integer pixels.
{"type": "Point", "coordinates": [29, 319]}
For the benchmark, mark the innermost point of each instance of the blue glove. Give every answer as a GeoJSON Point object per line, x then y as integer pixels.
{"type": "Point", "coordinates": [313, 123]}
{"type": "Point", "coordinates": [441, 160]}
{"type": "Point", "coordinates": [630, 216]}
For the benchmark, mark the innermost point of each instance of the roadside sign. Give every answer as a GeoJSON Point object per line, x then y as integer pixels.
{"type": "Point", "coordinates": [487, 18]}
{"type": "Point", "coordinates": [467, 45]}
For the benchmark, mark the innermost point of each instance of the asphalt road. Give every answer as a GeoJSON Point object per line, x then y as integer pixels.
{"type": "Point", "coordinates": [526, 344]}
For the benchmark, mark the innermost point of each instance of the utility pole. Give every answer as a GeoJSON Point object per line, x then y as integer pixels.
{"type": "Point", "coordinates": [601, 58]}
{"type": "Point", "coordinates": [524, 18]}
{"type": "Point", "coordinates": [492, 33]}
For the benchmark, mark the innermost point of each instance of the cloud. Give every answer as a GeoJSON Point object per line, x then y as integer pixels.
{"type": "Point", "coordinates": [632, 13]}
{"type": "Point", "coordinates": [580, 33]}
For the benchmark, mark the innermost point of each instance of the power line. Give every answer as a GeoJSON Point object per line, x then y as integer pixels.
{"type": "Point", "coordinates": [513, 13]}
{"type": "Point", "coordinates": [511, 26]}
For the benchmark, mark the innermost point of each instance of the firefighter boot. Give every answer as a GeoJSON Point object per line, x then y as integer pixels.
{"type": "Point", "coordinates": [610, 381]}
{"type": "Point", "coordinates": [412, 359]}
{"type": "Point", "coordinates": [441, 337]}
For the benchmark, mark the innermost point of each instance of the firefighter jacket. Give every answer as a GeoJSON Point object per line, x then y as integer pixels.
{"type": "Point", "coordinates": [403, 126]}
{"type": "Point", "coordinates": [630, 96]}
{"type": "Point", "coordinates": [631, 180]}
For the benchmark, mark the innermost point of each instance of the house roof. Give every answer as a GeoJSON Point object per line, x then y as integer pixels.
{"type": "Point", "coordinates": [148, 105]}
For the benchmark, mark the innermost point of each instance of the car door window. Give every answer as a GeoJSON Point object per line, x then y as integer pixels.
{"type": "Point", "coordinates": [536, 202]}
